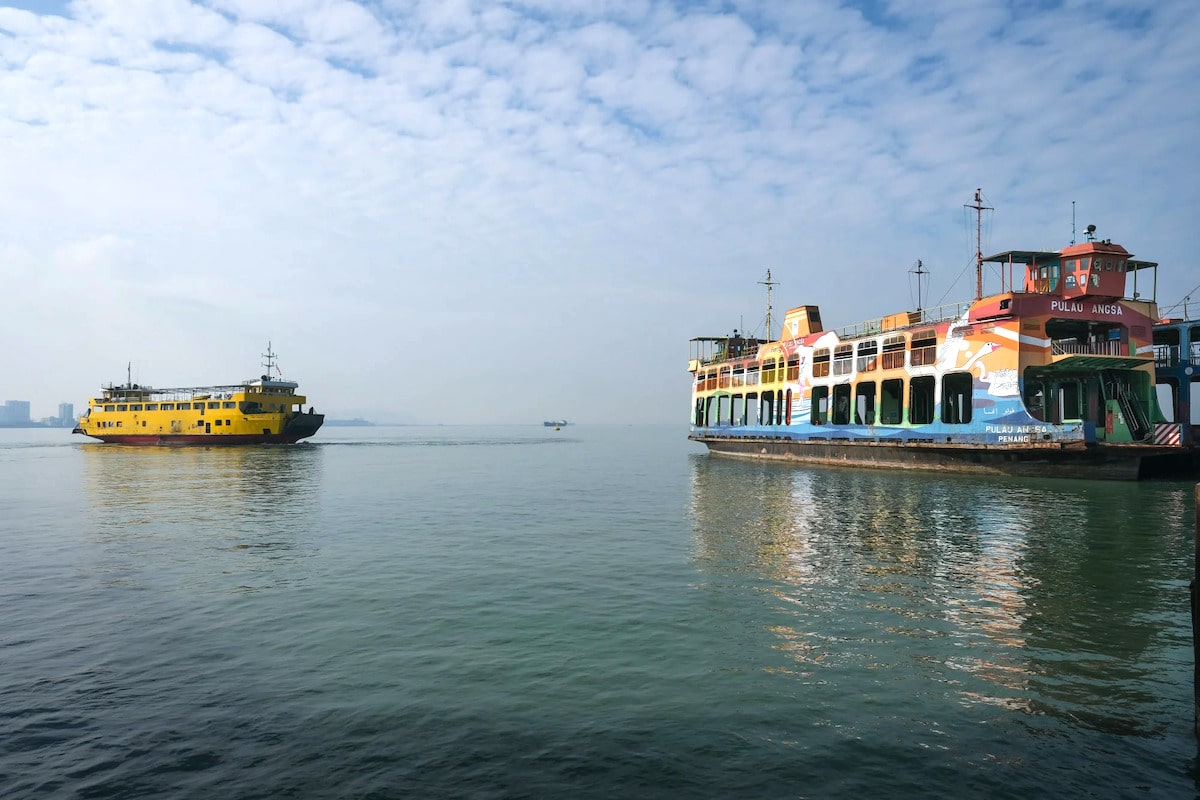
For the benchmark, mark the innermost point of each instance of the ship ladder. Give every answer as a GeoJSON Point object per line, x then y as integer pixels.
{"type": "Point", "coordinates": [1135, 417]}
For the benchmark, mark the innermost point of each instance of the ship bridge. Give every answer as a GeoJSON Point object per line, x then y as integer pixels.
{"type": "Point", "coordinates": [1093, 270]}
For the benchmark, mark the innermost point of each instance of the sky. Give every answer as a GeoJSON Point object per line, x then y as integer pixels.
{"type": "Point", "coordinates": [457, 211]}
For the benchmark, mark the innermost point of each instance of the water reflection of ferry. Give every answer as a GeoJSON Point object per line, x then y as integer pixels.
{"type": "Point", "coordinates": [203, 482]}
{"type": "Point", "coordinates": [239, 518]}
{"type": "Point", "coordinates": [1042, 602]}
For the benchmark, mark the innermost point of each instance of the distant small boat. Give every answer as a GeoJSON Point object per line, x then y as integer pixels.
{"type": "Point", "coordinates": [555, 423]}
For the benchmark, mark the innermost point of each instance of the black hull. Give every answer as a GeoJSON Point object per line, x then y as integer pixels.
{"type": "Point", "coordinates": [303, 425]}
{"type": "Point", "coordinates": [1094, 462]}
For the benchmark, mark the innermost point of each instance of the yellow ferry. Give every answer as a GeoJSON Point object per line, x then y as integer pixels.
{"type": "Point", "coordinates": [264, 410]}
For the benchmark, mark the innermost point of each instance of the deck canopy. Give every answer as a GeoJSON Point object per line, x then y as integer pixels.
{"type": "Point", "coordinates": [1021, 256]}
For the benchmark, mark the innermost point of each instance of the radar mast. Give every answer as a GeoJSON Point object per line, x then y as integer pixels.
{"type": "Point", "coordinates": [770, 284]}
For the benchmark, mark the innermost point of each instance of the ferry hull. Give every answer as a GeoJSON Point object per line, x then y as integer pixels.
{"type": "Point", "coordinates": [1107, 462]}
{"type": "Point", "coordinates": [200, 439]}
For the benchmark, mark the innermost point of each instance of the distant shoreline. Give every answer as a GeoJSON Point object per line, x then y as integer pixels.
{"type": "Point", "coordinates": [55, 425]}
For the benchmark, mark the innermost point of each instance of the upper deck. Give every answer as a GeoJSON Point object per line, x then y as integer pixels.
{"type": "Point", "coordinates": [140, 393]}
{"type": "Point", "coordinates": [1095, 271]}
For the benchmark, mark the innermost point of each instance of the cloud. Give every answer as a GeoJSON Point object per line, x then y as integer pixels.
{"type": "Point", "coordinates": [406, 179]}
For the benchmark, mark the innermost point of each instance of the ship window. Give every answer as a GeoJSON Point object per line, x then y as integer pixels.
{"type": "Point", "coordinates": [956, 398]}
{"type": "Point", "coordinates": [821, 363]}
{"type": "Point", "coordinates": [920, 400]}
{"type": "Point", "coordinates": [893, 352]}
{"type": "Point", "coordinates": [752, 409]}
{"type": "Point", "coordinates": [768, 371]}
{"type": "Point", "coordinates": [1069, 266]}
{"type": "Point", "coordinates": [168, 406]}
{"type": "Point", "coordinates": [217, 422]}
{"type": "Point", "coordinates": [752, 375]}
{"type": "Point", "coordinates": [228, 404]}
{"type": "Point", "coordinates": [843, 359]}
{"type": "Point", "coordinates": [891, 402]}
{"type": "Point", "coordinates": [1120, 266]}
{"type": "Point", "coordinates": [110, 408]}
{"type": "Point", "coordinates": [739, 379]}
{"type": "Point", "coordinates": [1167, 395]}
{"type": "Point", "coordinates": [1070, 399]}
{"type": "Point", "coordinates": [924, 348]}
{"type": "Point", "coordinates": [214, 404]}
{"type": "Point", "coordinates": [867, 355]}
{"type": "Point", "coordinates": [122, 407]}
{"type": "Point", "coordinates": [841, 404]}
{"type": "Point", "coordinates": [1108, 266]}
{"type": "Point", "coordinates": [820, 404]}
{"type": "Point", "coordinates": [864, 403]}
{"type": "Point", "coordinates": [152, 406]}
{"type": "Point", "coordinates": [793, 368]}
{"type": "Point", "coordinates": [135, 407]}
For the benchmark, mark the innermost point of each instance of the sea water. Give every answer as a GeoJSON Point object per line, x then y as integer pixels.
{"type": "Point", "coordinates": [598, 611]}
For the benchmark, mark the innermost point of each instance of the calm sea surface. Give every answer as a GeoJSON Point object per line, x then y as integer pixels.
{"type": "Point", "coordinates": [455, 612]}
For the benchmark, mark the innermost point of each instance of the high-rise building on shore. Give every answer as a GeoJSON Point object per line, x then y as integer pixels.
{"type": "Point", "coordinates": [15, 412]}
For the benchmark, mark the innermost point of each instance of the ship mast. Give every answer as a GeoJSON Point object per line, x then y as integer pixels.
{"type": "Point", "coordinates": [920, 271]}
{"type": "Point", "coordinates": [979, 209]}
{"type": "Point", "coordinates": [269, 362]}
{"type": "Point", "coordinates": [770, 284]}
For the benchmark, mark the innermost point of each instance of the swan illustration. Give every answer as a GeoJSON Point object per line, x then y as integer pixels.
{"type": "Point", "coordinates": [988, 347]}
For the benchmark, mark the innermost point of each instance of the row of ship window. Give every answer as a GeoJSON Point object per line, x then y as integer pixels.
{"type": "Point", "coordinates": [863, 403]}
{"type": "Point", "coordinates": [174, 406]}
{"type": "Point", "coordinates": [840, 360]}
{"type": "Point", "coordinates": [165, 406]}
{"type": "Point", "coordinates": [117, 423]}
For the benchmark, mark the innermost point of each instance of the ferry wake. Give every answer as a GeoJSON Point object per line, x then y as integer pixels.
{"type": "Point", "coordinates": [263, 410]}
{"type": "Point", "coordinates": [1054, 377]}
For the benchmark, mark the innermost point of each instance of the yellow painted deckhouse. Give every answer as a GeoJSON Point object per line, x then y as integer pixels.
{"type": "Point", "coordinates": [264, 410]}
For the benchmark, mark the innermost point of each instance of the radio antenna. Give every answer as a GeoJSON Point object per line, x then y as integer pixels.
{"type": "Point", "coordinates": [770, 284]}
{"type": "Point", "coordinates": [979, 209]}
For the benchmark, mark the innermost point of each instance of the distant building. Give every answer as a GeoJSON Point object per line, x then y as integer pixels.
{"type": "Point", "coordinates": [66, 413]}
{"type": "Point", "coordinates": [15, 412]}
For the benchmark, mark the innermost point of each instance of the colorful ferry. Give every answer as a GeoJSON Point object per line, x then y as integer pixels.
{"type": "Point", "coordinates": [1054, 376]}
{"type": "Point", "coordinates": [263, 410]}
{"type": "Point", "coordinates": [1177, 382]}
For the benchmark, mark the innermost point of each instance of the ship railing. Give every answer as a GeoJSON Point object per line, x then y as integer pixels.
{"type": "Point", "coordinates": [925, 316]}
{"type": "Point", "coordinates": [1107, 347]}
{"type": "Point", "coordinates": [1173, 356]}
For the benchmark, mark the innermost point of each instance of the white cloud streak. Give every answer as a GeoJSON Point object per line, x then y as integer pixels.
{"type": "Point", "coordinates": [405, 195]}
